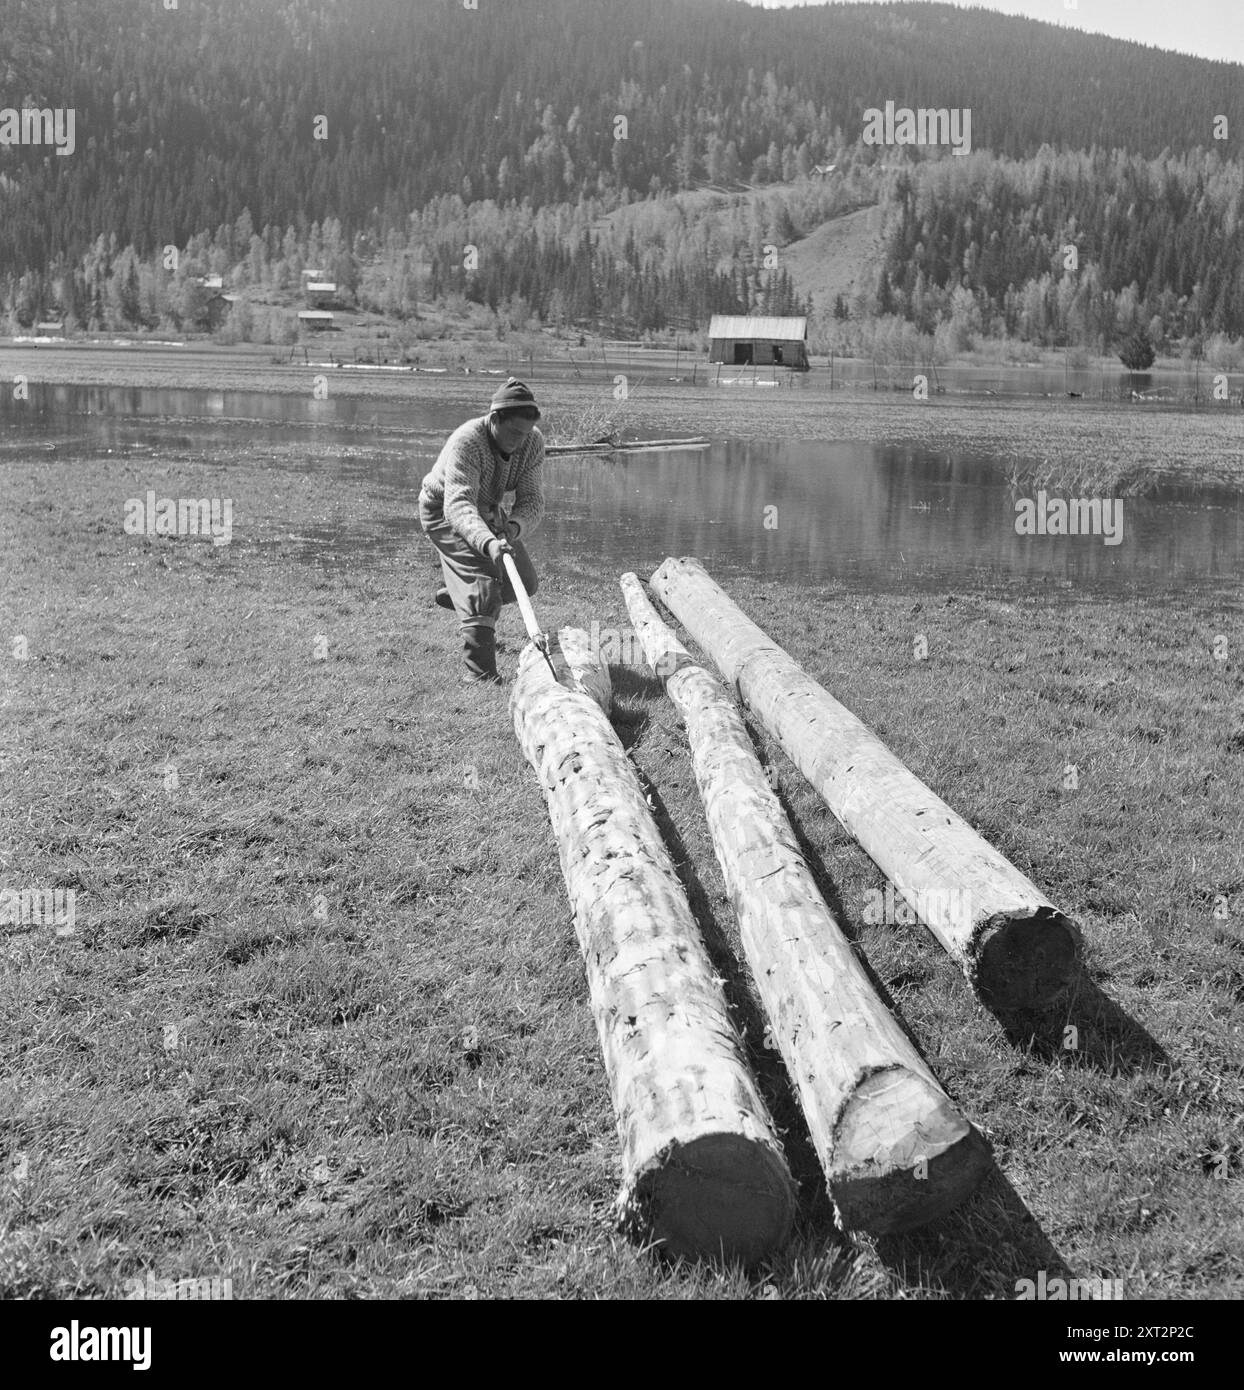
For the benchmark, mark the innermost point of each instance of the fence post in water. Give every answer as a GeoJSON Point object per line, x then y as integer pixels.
{"type": "Point", "coordinates": [1015, 947]}
{"type": "Point", "coordinates": [702, 1168]}
{"type": "Point", "coordinates": [895, 1150]}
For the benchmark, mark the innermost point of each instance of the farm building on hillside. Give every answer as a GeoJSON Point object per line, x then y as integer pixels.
{"type": "Point", "coordinates": [741, 341]}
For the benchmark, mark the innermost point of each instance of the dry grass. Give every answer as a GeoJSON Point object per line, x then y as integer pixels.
{"type": "Point", "coordinates": [592, 421]}
{"type": "Point", "coordinates": [1083, 476]}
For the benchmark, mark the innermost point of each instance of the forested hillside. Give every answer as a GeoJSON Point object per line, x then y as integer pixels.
{"type": "Point", "coordinates": [379, 137]}
{"type": "Point", "coordinates": [1068, 247]}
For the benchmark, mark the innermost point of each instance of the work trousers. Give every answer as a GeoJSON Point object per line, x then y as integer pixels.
{"type": "Point", "coordinates": [477, 589]}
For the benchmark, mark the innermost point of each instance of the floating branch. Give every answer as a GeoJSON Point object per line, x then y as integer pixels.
{"type": "Point", "coordinates": [634, 447]}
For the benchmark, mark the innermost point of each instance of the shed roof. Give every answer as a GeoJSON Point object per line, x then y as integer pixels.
{"type": "Point", "coordinates": [758, 326]}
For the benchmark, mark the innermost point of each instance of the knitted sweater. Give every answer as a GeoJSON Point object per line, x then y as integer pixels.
{"type": "Point", "coordinates": [470, 477]}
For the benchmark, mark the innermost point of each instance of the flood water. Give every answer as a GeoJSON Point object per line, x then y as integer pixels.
{"type": "Point", "coordinates": [800, 511]}
{"type": "Point", "coordinates": [857, 376]}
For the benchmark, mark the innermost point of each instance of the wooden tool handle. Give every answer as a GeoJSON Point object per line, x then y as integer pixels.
{"type": "Point", "coordinates": [524, 603]}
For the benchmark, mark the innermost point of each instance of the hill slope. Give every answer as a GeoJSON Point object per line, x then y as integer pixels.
{"type": "Point", "coordinates": [841, 257]}
{"type": "Point", "coordinates": [298, 110]}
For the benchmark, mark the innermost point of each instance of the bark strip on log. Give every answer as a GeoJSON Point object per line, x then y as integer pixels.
{"type": "Point", "coordinates": [895, 1150]}
{"type": "Point", "coordinates": [703, 1171]}
{"type": "Point", "coordinates": [1015, 947]}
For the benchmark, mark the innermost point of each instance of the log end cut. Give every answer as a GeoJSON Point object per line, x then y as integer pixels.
{"type": "Point", "coordinates": [1026, 962]}
{"type": "Point", "coordinates": [720, 1195]}
{"type": "Point", "coordinates": [919, 1158]}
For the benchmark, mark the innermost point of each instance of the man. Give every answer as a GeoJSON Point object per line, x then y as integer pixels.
{"type": "Point", "coordinates": [461, 514]}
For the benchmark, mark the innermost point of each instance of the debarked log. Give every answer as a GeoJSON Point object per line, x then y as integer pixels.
{"type": "Point", "coordinates": [895, 1150]}
{"type": "Point", "coordinates": [703, 1170]}
{"type": "Point", "coordinates": [1015, 947]}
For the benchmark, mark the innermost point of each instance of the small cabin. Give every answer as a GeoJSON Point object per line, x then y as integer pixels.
{"type": "Point", "coordinates": [741, 341]}
{"type": "Point", "coordinates": [213, 284]}
{"type": "Point", "coordinates": [51, 328]}
{"type": "Point", "coordinates": [315, 320]}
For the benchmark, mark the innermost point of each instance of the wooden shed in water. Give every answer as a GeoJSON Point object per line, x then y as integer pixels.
{"type": "Point", "coordinates": [741, 340]}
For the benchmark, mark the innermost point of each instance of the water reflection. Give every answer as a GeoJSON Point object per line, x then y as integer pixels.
{"type": "Point", "coordinates": [810, 511]}
{"type": "Point", "coordinates": [803, 511]}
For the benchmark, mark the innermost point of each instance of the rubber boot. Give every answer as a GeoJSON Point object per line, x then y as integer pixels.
{"type": "Point", "coordinates": [480, 652]}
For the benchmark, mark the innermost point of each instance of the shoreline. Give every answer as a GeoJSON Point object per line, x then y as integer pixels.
{"type": "Point", "coordinates": [1083, 443]}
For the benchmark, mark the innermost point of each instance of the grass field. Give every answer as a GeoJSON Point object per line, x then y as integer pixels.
{"type": "Point", "coordinates": [321, 1026]}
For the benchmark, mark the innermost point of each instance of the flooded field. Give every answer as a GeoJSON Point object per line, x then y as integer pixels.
{"type": "Point", "coordinates": [800, 510]}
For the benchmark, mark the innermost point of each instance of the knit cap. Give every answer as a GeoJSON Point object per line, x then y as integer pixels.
{"type": "Point", "coordinates": [514, 395]}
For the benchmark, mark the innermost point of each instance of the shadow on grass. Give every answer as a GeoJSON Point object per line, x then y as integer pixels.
{"type": "Point", "coordinates": [1104, 1037]}
{"type": "Point", "coordinates": [629, 721]}
{"type": "Point", "coordinates": [980, 1250]}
